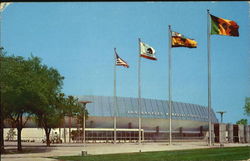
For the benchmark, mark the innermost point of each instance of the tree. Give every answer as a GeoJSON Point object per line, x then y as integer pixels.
{"type": "Point", "coordinates": [80, 111]}
{"type": "Point", "coordinates": [50, 112]}
{"type": "Point", "coordinates": [242, 121]}
{"type": "Point", "coordinates": [83, 112]}
{"type": "Point", "coordinates": [52, 115]}
{"type": "Point", "coordinates": [247, 106]}
{"type": "Point", "coordinates": [30, 89]}
{"type": "Point", "coordinates": [1, 107]}
{"type": "Point", "coordinates": [50, 118]}
{"type": "Point", "coordinates": [27, 87]}
{"type": "Point", "coordinates": [18, 91]}
{"type": "Point", "coordinates": [11, 134]}
{"type": "Point", "coordinates": [72, 108]}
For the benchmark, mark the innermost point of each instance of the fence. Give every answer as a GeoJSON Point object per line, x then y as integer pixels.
{"type": "Point", "coordinates": [132, 135]}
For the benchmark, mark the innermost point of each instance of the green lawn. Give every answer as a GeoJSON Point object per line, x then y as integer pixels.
{"type": "Point", "coordinates": [213, 154]}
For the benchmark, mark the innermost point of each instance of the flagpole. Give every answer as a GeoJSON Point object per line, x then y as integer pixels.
{"type": "Point", "coordinates": [115, 101]}
{"type": "Point", "coordinates": [169, 85]}
{"type": "Point", "coordinates": [1, 108]}
{"type": "Point", "coordinates": [139, 90]}
{"type": "Point", "coordinates": [209, 77]}
{"type": "Point", "coordinates": [84, 126]}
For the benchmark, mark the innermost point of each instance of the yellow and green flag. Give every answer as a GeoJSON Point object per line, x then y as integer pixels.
{"type": "Point", "coordinates": [220, 26]}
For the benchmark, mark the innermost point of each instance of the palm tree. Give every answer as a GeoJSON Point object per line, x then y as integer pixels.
{"type": "Point", "coordinates": [83, 114]}
{"type": "Point", "coordinates": [72, 108]}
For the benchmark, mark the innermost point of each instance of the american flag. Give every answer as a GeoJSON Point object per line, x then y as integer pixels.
{"type": "Point", "coordinates": [120, 62]}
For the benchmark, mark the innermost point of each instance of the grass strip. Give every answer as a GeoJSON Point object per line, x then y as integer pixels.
{"type": "Point", "coordinates": [210, 154]}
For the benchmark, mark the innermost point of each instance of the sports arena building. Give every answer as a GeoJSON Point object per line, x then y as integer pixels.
{"type": "Point", "coordinates": [188, 120]}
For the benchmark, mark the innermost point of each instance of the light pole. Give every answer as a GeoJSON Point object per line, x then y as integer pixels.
{"type": "Point", "coordinates": [221, 115]}
{"type": "Point", "coordinates": [83, 121]}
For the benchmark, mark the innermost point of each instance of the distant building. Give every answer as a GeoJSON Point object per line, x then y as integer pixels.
{"type": "Point", "coordinates": [188, 120]}
{"type": "Point", "coordinates": [153, 113]}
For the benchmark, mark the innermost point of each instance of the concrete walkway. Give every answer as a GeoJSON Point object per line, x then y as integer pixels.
{"type": "Point", "coordinates": [39, 152]}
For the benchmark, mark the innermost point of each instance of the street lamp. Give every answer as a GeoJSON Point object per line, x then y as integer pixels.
{"type": "Point", "coordinates": [84, 108]}
{"type": "Point", "coordinates": [221, 115]}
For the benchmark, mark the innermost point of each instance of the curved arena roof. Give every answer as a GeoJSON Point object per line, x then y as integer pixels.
{"type": "Point", "coordinates": [103, 106]}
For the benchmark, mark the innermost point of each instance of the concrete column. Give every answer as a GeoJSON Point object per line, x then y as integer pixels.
{"type": "Point", "coordinates": [64, 135]}
{"type": "Point", "coordinates": [230, 129]}
{"type": "Point", "coordinates": [60, 134]}
{"type": "Point", "coordinates": [241, 133]}
{"type": "Point", "coordinates": [246, 133]}
{"type": "Point", "coordinates": [201, 130]}
{"type": "Point", "coordinates": [180, 132]}
{"type": "Point", "coordinates": [212, 131]}
{"type": "Point", "coordinates": [222, 133]}
{"type": "Point", "coordinates": [248, 138]}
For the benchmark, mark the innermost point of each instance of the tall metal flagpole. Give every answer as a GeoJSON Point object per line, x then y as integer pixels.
{"type": "Point", "coordinates": [139, 90]}
{"type": "Point", "coordinates": [115, 101]}
{"type": "Point", "coordinates": [209, 76]}
{"type": "Point", "coordinates": [84, 126]}
{"type": "Point", "coordinates": [169, 85]}
{"type": "Point", "coordinates": [1, 31]}
{"type": "Point", "coordinates": [1, 108]}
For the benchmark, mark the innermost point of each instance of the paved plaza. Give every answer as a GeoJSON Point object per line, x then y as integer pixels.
{"type": "Point", "coordinates": [39, 152]}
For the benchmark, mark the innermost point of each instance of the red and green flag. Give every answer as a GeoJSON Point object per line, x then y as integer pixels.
{"type": "Point", "coordinates": [220, 26]}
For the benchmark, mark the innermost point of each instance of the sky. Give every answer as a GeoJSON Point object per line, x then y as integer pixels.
{"type": "Point", "coordinates": [78, 39]}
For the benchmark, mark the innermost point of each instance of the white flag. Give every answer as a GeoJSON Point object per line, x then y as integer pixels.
{"type": "Point", "coordinates": [147, 51]}
{"type": "Point", "coordinates": [3, 5]}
